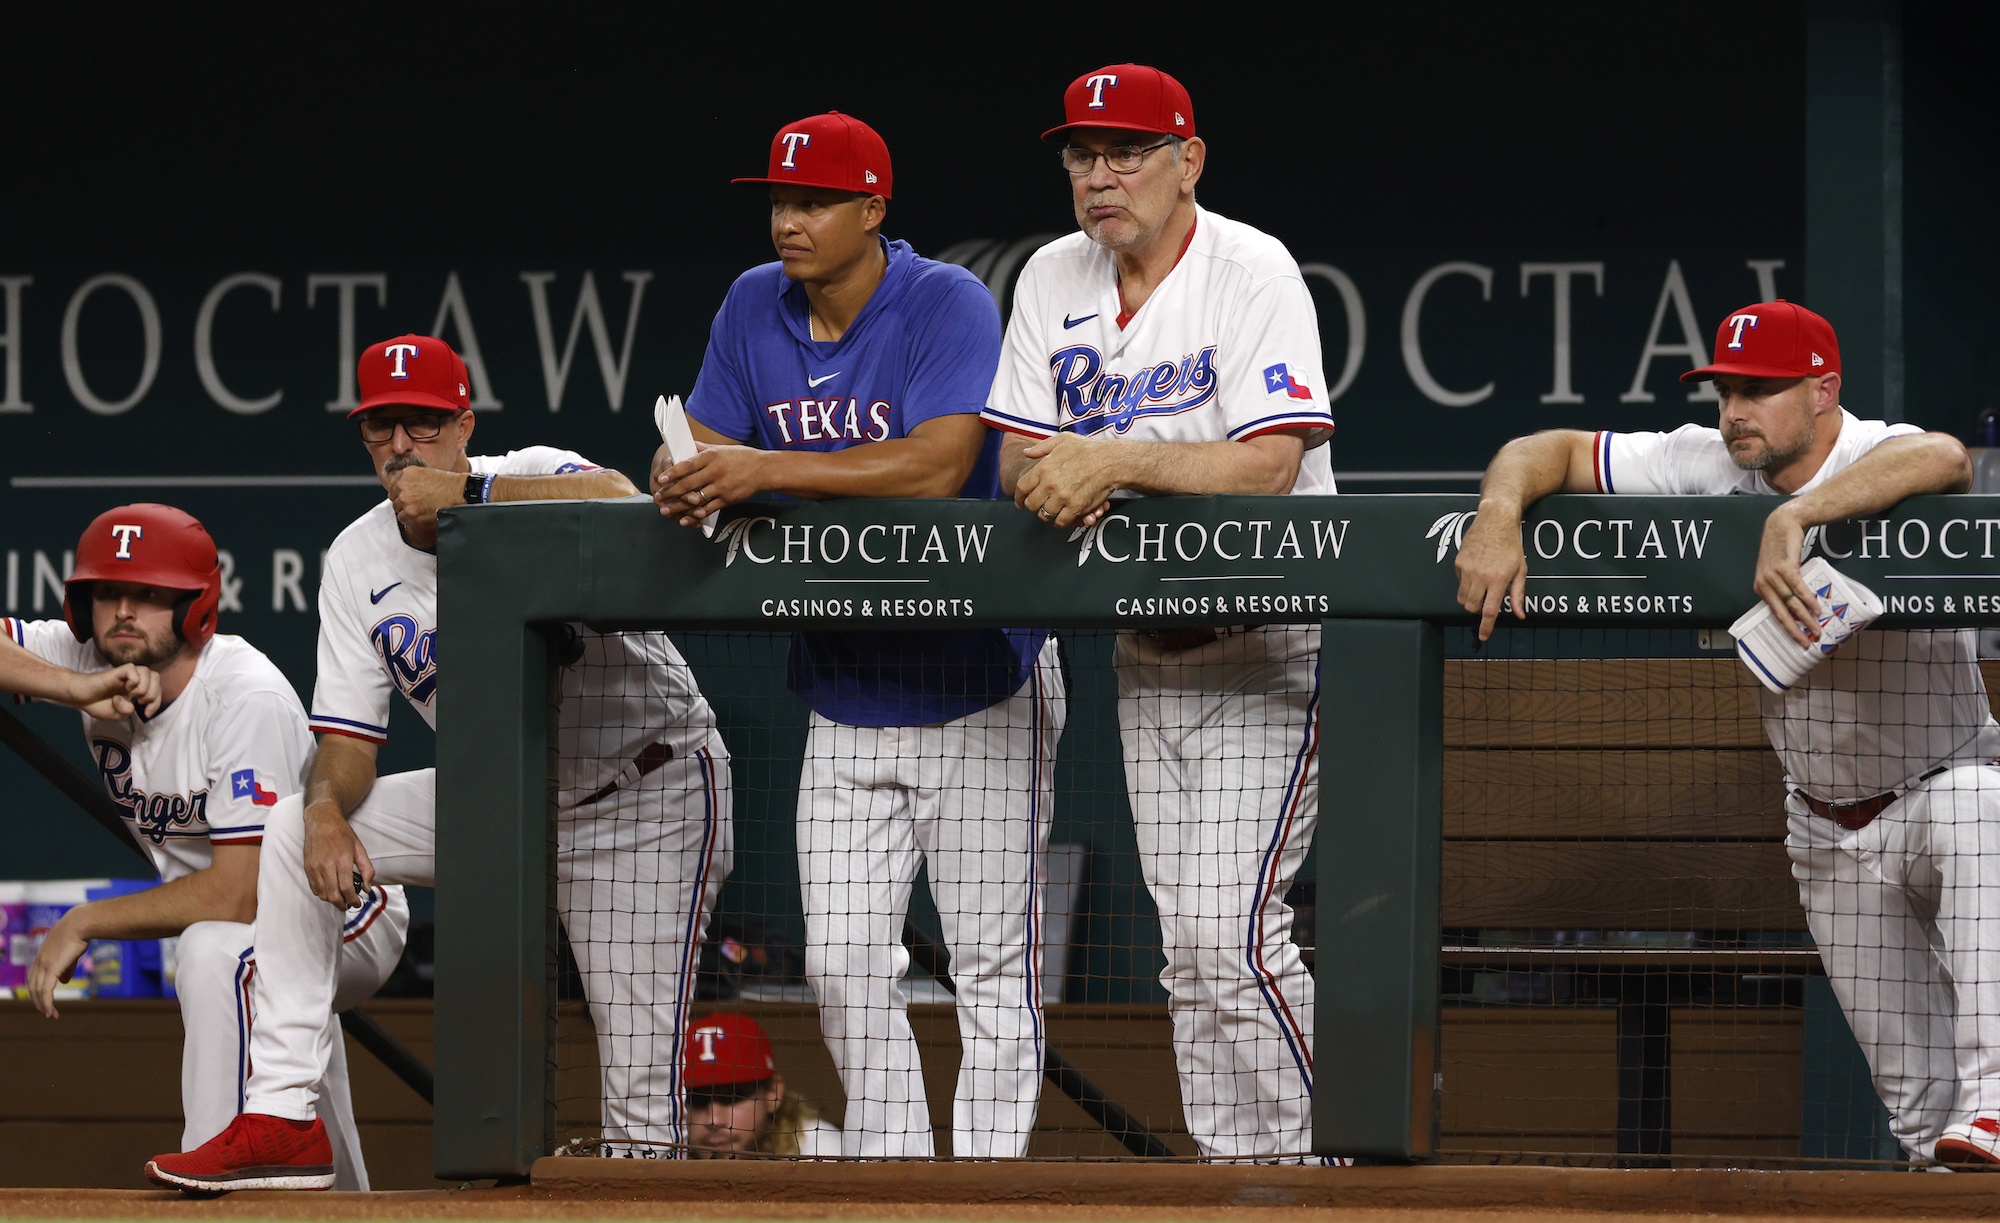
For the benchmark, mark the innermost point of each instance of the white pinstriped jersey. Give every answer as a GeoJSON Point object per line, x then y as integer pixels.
{"type": "Point", "coordinates": [1226, 348]}
{"type": "Point", "coordinates": [204, 769]}
{"type": "Point", "coordinates": [378, 637]}
{"type": "Point", "coordinates": [1888, 705]}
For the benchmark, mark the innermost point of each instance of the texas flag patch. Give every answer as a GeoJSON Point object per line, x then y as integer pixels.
{"type": "Point", "coordinates": [243, 783]}
{"type": "Point", "coordinates": [1278, 378]}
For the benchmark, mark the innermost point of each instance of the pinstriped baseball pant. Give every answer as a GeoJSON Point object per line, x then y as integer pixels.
{"type": "Point", "coordinates": [971, 797]}
{"type": "Point", "coordinates": [1222, 768]}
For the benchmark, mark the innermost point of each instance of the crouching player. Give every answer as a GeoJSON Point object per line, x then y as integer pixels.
{"type": "Point", "coordinates": [198, 736]}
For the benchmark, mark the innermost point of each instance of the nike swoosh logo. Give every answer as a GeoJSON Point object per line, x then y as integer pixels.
{"type": "Point", "coordinates": [376, 596]}
{"type": "Point", "coordinates": [1069, 322]}
{"type": "Point", "coordinates": [822, 378]}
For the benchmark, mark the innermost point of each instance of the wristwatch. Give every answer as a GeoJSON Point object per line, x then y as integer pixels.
{"type": "Point", "coordinates": [477, 488]}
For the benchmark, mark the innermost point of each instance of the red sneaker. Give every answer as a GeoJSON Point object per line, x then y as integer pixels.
{"type": "Point", "coordinates": [1970, 1144]}
{"type": "Point", "coordinates": [255, 1152]}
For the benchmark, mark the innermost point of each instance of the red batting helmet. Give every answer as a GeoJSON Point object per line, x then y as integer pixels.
{"type": "Point", "coordinates": [727, 1050]}
{"type": "Point", "coordinates": [155, 545]}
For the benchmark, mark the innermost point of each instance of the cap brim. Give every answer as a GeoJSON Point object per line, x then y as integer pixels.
{"type": "Point", "coordinates": [1050, 135]}
{"type": "Point", "coordinates": [1707, 372]}
{"type": "Point", "coordinates": [795, 182]}
{"type": "Point", "coordinates": [412, 399]}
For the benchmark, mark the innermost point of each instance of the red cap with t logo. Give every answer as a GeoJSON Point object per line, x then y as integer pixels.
{"type": "Point", "coordinates": [725, 1050]}
{"type": "Point", "coordinates": [419, 370]}
{"type": "Point", "coordinates": [1132, 97]}
{"type": "Point", "coordinates": [1772, 340]}
{"type": "Point", "coordinates": [831, 150]}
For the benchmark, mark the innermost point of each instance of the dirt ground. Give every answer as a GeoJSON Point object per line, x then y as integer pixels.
{"type": "Point", "coordinates": [510, 1204]}
{"type": "Point", "coordinates": [577, 1189]}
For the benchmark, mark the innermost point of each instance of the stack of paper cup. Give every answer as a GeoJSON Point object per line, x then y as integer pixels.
{"type": "Point", "coordinates": [1845, 608]}
{"type": "Point", "coordinates": [15, 951]}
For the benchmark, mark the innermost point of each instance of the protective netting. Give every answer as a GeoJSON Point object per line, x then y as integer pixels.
{"type": "Point", "coordinates": [946, 933]}
{"type": "Point", "coordinates": [1629, 975]}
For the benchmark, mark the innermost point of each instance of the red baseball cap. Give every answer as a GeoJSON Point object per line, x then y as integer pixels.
{"type": "Point", "coordinates": [830, 150]}
{"type": "Point", "coordinates": [418, 370]}
{"type": "Point", "coordinates": [726, 1050]}
{"type": "Point", "coordinates": [1129, 96]}
{"type": "Point", "coordinates": [1772, 340]}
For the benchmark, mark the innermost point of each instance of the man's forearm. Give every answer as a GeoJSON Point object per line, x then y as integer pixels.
{"type": "Point", "coordinates": [1013, 462]}
{"type": "Point", "coordinates": [343, 772]}
{"type": "Point", "coordinates": [899, 467]}
{"type": "Point", "coordinates": [166, 910]}
{"type": "Point", "coordinates": [1897, 469]}
{"type": "Point", "coordinates": [27, 674]}
{"type": "Point", "coordinates": [1201, 468]}
{"type": "Point", "coordinates": [569, 486]}
{"type": "Point", "coordinates": [1526, 470]}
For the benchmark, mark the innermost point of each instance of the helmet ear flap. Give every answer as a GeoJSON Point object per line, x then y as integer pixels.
{"type": "Point", "coordinates": [77, 597]}
{"type": "Point", "coordinates": [184, 627]}
{"type": "Point", "coordinates": [195, 614]}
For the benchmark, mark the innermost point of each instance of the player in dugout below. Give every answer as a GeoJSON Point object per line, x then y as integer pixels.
{"type": "Point", "coordinates": [1888, 745]}
{"type": "Point", "coordinates": [1185, 356]}
{"type": "Point", "coordinates": [853, 367]}
{"type": "Point", "coordinates": [737, 1099]}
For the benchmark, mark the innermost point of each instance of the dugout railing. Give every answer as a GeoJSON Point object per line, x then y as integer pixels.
{"type": "Point", "coordinates": [1374, 571]}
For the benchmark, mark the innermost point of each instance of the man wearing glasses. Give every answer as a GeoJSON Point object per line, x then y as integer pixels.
{"type": "Point", "coordinates": [643, 799]}
{"type": "Point", "coordinates": [1166, 349]}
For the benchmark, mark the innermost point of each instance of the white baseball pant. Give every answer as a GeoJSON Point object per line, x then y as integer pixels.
{"type": "Point", "coordinates": [1906, 913]}
{"type": "Point", "coordinates": [972, 798]}
{"type": "Point", "coordinates": [636, 877]}
{"type": "Point", "coordinates": [215, 962]}
{"type": "Point", "coordinates": [1222, 769]}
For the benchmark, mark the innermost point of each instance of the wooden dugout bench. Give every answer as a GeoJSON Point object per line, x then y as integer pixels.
{"type": "Point", "coordinates": [1619, 911]}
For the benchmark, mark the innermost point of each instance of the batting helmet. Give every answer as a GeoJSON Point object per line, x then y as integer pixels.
{"type": "Point", "coordinates": [156, 545]}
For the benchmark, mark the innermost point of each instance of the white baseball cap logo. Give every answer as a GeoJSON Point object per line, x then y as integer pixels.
{"type": "Point", "coordinates": [399, 353]}
{"type": "Point", "coordinates": [126, 534]}
{"type": "Point", "coordinates": [706, 1038]}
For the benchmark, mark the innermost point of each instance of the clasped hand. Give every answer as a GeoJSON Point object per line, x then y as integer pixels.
{"type": "Point", "coordinates": [1070, 482]}
{"type": "Point", "coordinates": [716, 477]}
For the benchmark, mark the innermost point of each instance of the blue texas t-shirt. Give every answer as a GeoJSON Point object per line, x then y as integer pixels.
{"type": "Point", "coordinates": [927, 344]}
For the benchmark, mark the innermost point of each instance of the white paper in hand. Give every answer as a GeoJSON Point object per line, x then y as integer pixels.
{"type": "Point", "coordinates": [673, 422]}
{"type": "Point", "coordinates": [1845, 608]}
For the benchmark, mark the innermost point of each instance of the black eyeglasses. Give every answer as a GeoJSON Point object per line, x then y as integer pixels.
{"type": "Point", "coordinates": [1125, 159]}
{"type": "Point", "coordinates": [419, 427]}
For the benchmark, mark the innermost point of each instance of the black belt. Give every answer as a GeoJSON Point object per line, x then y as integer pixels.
{"type": "Point", "coordinates": [1857, 815]}
{"type": "Point", "coordinates": [650, 758]}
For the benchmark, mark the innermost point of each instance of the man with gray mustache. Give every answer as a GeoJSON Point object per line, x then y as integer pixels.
{"type": "Point", "coordinates": [642, 794]}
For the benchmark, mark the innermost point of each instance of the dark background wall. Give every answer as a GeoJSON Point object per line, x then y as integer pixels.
{"type": "Point", "coordinates": [483, 149]}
